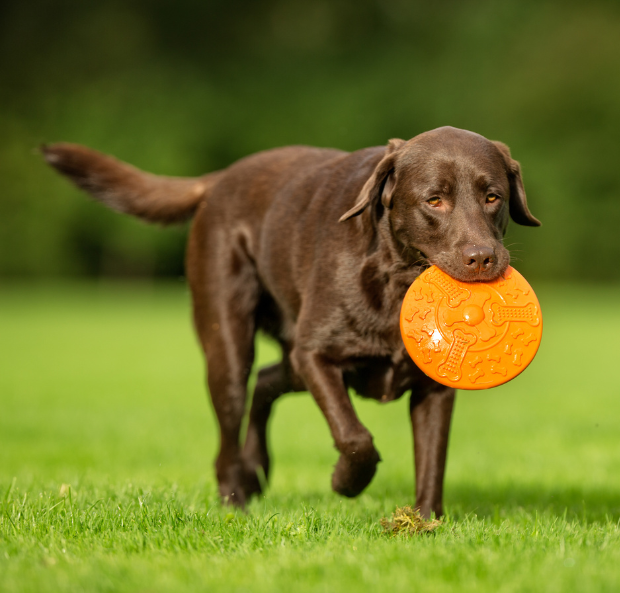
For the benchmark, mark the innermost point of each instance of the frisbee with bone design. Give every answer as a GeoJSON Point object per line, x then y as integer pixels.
{"type": "Point", "coordinates": [471, 335]}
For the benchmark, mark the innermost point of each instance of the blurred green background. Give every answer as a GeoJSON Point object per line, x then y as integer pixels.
{"type": "Point", "coordinates": [101, 383]}
{"type": "Point", "coordinates": [185, 87]}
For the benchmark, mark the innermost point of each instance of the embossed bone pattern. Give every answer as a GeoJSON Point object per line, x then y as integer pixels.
{"type": "Point", "coordinates": [471, 335]}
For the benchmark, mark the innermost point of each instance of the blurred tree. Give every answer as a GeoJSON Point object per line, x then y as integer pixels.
{"type": "Point", "coordinates": [186, 87]}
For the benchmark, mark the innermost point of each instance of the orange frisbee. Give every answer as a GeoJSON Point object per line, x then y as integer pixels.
{"type": "Point", "coordinates": [471, 335]}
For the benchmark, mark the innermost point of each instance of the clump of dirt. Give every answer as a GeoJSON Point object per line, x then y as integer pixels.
{"type": "Point", "coordinates": [408, 521]}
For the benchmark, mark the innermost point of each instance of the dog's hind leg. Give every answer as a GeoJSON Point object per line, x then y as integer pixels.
{"type": "Point", "coordinates": [225, 290]}
{"type": "Point", "coordinates": [272, 382]}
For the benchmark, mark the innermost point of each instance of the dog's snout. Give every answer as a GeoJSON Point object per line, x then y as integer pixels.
{"type": "Point", "coordinates": [478, 258]}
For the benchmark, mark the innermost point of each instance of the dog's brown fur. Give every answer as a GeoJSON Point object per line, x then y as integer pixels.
{"type": "Point", "coordinates": [317, 248]}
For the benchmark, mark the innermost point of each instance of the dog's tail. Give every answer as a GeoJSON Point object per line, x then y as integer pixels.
{"type": "Point", "coordinates": [124, 188]}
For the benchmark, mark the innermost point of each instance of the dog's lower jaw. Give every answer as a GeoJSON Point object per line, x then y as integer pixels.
{"type": "Point", "coordinates": [423, 260]}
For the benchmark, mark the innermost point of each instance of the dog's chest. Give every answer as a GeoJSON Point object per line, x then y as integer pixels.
{"type": "Point", "coordinates": [384, 379]}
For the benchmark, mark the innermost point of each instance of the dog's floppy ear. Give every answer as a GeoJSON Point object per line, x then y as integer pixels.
{"type": "Point", "coordinates": [519, 212]}
{"type": "Point", "coordinates": [380, 184]}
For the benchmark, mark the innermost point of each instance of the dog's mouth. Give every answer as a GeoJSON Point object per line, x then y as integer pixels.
{"type": "Point", "coordinates": [456, 272]}
{"type": "Point", "coordinates": [486, 276]}
{"type": "Point", "coordinates": [422, 260]}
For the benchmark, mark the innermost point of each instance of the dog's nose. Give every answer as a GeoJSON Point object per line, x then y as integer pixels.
{"type": "Point", "coordinates": [478, 258]}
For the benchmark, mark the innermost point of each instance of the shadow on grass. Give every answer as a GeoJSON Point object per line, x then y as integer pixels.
{"type": "Point", "coordinates": [492, 503]}
{"type": "Point", "coordinates": [583, 504]}
{"type": "Point", "coordinates": [586, 503]}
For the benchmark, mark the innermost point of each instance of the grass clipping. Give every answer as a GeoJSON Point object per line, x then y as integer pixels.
{"type": "Point", "coordinates": [408, 521]}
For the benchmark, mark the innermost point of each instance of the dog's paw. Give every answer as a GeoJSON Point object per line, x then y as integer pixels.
{"type": "Point", "coordinates": [352, 474]}
{"type": "Point", "coordinates": [254, 479]}
{"type": "Point", "coordinates": [233, 493]}
{"type": "Point", "coordinates": [241, 483]}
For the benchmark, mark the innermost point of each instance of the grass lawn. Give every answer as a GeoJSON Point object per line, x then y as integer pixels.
{"type": "Point", "coordinates": [107, 441]}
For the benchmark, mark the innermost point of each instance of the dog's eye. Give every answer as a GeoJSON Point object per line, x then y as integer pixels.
{"type": "Point", "coordinates": [492, 198]}
{"type": "Point", "coordinates": [434, 201]}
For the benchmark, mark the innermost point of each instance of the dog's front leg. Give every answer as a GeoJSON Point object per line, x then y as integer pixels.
{"type": "Point", "coordinates": [358, 457]}
{"type": "Point", "coordinates": [431, 412]}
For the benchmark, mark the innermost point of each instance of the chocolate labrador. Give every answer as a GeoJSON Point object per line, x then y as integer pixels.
{"type": "Point", "coordinates": [317, 248]}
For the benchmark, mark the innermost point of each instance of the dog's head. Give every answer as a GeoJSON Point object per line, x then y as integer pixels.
{"type": "Point", "coordinates": [446, 196]}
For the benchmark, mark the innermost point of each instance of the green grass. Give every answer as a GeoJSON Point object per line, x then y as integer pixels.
{"type": "Point", "coordinates": [107, 441]}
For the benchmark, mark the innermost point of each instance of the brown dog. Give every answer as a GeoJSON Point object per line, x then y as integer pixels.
{"type": "Point", "coordinates": [317, 248]}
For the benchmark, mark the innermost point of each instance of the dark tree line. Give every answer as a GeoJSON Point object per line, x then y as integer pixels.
{"type": "Point", "coordinates": [185, 87]}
